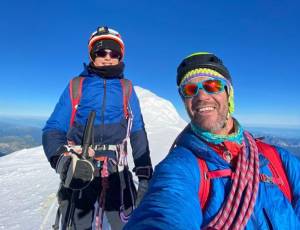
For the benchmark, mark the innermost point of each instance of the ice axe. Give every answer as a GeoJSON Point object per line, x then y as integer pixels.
{"type": "Point", "coordinates": [81, 170]}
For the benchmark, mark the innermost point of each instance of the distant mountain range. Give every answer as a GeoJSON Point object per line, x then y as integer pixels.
{"type": "Point", "coordinates": [286, 138]}
{"type": "Point", "coordinates": [15, 137]}
{"type": "Point", "coordinates": [290, 144]}
{"type": "Point", "coordinates": [20, 133]}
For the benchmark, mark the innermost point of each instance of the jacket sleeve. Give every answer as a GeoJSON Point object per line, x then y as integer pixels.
{"type": "Point", "coordinates": [54, 132]}
{"type": "Point", "coordinates": [172, 199]}
{"type": "Point", "coordinates": [139, 142]}
{"type": "Point", "coordinates": [291, 164]}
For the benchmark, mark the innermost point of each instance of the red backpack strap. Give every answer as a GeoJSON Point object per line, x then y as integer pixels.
{"type": "Point", "coordinates": [204, 187]}
{"type": "Point", "coordinates": [206, 177]}
{"type": "Point", "coordinates": [75, 95]}
{"type": "Point", "coordinates": [276, 167]}
{"type": "Point", "coordinates": [127, 90]}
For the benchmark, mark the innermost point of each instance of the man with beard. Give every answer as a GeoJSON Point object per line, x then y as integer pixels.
{"type": "Point", "coordinates": [216, 175]}
{"type": "Point", "coordinates": [102, 182]}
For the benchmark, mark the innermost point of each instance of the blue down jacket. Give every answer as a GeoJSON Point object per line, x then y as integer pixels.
{"type": "Point", "coordinates": [172, 199]}
{"type": "Point", "coordinates": [110, 124]}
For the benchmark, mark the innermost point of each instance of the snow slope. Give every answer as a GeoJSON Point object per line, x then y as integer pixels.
{"type": "Point", "coordinates": [29, 184]}
{"type": "Point", "coordinates": [28, 187]}
{"type": "Point", "coordinates": [162, 123]}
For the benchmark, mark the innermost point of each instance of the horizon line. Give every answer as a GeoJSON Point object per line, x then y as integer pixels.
{"type": "Point", "coordinates": [246, 124]}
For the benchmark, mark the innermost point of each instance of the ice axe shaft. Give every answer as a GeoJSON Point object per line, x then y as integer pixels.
{"type": "Point", "coordinates": [87, 136]}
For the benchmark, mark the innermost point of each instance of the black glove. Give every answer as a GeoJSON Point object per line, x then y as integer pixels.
{"type": "Point", "coordinates": [142, 189]}
{"type": "Point", "coordinates": [75, 171]}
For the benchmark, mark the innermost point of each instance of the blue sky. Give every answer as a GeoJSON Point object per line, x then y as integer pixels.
{"type": "Point", "coordinates": [44, 43]}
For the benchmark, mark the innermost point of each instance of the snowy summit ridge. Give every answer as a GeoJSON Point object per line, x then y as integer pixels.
{"type": "Point", "coordinates": [157, 110]}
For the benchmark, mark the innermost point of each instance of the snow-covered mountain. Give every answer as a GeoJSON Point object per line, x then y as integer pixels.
{"type": "Point", "coordinates": [162, 123]}
{"type": "Point", "coordinates": [29, 184]}
{"type": "Point", "coordinates": [158, 111]}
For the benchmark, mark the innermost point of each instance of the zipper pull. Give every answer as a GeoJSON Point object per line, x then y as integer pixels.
{"type": "Point", "coordinates": [227, 156]}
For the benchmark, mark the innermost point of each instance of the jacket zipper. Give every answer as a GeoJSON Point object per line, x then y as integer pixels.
{"type": "Point", "coordinates": [102, 110]}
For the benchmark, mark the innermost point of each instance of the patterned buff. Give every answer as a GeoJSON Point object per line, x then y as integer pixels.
{"type": "Point", "coordinates": [236, 137]}
{"type": "Point", "coordinates": [237, 210]}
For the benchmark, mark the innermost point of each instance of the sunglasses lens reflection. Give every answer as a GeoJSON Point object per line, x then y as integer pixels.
{"type": "Point", "coordinates": [213, 86]}
{"type": "Point", "coordinates": [190, 90]}
{"type": "Point", "coordinates": [210, 86]}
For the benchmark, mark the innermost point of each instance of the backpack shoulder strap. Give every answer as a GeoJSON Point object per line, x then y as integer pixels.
{"type": "Point", "coordinates": [204, 187]}
{"type": "Point", "coordinates": [75, 95]}
{"type": "Point", "coordinates": [206, 176]}
{"type": "Point", "coordinates": [127, 90]}
{"type": "Point", "coordinates": [276, 167]}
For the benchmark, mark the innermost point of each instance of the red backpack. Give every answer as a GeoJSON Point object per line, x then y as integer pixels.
{"type": "Point", "coordinates": [75, 88]}
{"type": "Point", "coordinates": [275, 164]}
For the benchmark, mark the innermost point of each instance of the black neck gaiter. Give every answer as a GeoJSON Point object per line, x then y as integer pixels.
{"type": "Point", "coordinates": [108, 72]}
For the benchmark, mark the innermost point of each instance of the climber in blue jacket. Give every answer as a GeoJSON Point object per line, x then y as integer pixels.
{"type": "Point", "coordinates": [216, 175]}
{"type": "Point", "coordinates": [102, 88]}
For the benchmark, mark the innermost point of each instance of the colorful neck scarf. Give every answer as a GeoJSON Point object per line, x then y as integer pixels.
{"type": "Point", "coordinates": [236, 137]}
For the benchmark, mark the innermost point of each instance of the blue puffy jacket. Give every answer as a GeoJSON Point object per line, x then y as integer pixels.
{"type": "Point", "coordinates": [172, 199]}
{"type": "Point", "coordinates": [110, 124]}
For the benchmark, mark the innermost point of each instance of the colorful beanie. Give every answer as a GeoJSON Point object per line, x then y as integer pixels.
{"type": "Point", "coordinates": [205, 64]}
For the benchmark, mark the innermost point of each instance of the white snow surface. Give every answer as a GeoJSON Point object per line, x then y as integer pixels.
{"type": "Point", "coordinates": [29, 184]}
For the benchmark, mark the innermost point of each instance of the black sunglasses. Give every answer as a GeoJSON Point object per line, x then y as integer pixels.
{"type": "Point", "coordinates": [112, 53]}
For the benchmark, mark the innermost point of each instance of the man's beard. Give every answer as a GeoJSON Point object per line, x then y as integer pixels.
{"type": "Point", "coordinates": [212, 125]}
